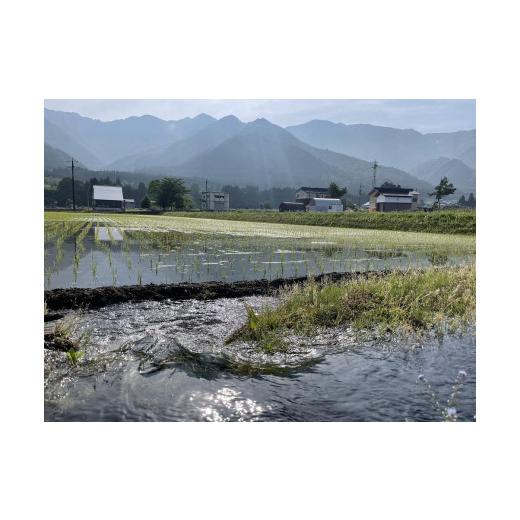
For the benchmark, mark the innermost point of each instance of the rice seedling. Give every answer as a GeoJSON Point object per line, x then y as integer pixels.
{"type": "Point", "coordinates": [250, 249]}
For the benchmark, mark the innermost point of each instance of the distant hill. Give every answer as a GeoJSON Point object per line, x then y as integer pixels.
{"type": "Point", "coordinates": [267, 155]}
{"type": "Point", "coordinates": [55, 159]}
{"type": "Point", "coordinates": [209, 137]}
{"type": "Point", "coordinates": [462, 176]}
{"type": "Point", "coordinates": [360, 173]}
{"type": "Point", "coordinates": [108, 141]}
{"type": "Point", "coordinates": [228, 151]}
{"type": "Point", "coordinates": [57, 138]}
{"type": "Point", "coordinates": [392, 146]}
{"type": "Point", "coordinates": [469, 157]}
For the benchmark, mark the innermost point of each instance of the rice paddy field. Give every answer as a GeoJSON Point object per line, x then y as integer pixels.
{"type": "Point", "coordinates": [293, 356]}
{"type": "Point", "coordinates": [451, 221]}
{"type": "Point", "coordinates": [93, 250]}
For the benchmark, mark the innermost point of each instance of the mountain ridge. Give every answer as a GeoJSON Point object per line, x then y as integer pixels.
{"type": "Point", "coordinates": [227, 150]}
{"type": "Point", "coordinates": [401, 148]}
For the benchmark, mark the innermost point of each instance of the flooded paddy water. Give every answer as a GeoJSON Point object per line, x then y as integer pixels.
{"type": "Point", "coordinates": [96, 251]}
{"type": "Point", "coordinates": [166, 360]}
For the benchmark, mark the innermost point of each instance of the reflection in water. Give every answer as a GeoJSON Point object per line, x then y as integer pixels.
{"type": "Point", "coordinates": [226, 405]}
{"type": "Point", "coordinates": [108, 234]}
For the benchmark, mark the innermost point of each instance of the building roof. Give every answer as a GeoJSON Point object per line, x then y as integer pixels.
{"type": "Point", "coordinates": [400, 198]}
{"type": "Point", "coordinates": [392, 190]}
{"type": "Point", "coordinates": [108, 193]}
{"type": "Point", "coordinates": [325, 201]}
{"type": "Point", "coordinates": [293, 204]}
{"type": "Point", "coordinates": [317, 190]}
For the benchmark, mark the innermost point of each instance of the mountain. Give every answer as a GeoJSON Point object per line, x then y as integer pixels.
{"type": "Point", "coordinates": [57, 138]}
{"type": "Point", "coordinates": [261, 154]}
{"type": "Point", "coordinates": [469, 157]}
{"type": "Point", "coordinates": [360, 173]}
{"type": "Point", "coordinates": [267, 155]}
{"type": "Point", "coordinates": [224, 151]}
{"type": "Point", "coordinates": [452, 144]}
{"type": "Point", "coordinates": [400, 148]}
{"type": "Point", "coordinates": [55, 159]}
{"type": "Point", "coordinates": [462, 176]}
{"type": "Point", "coordinates": [109, 141]}
{"type": "Point", "coordinates": [212, 135]}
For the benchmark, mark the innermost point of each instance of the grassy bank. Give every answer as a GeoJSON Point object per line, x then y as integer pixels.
{"type": "Point", "coordinates": [401, 301]}
{"type": "Point", "coordinates": [450, 221]}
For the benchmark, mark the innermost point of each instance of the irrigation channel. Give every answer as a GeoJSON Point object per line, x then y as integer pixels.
{"type": "Point", "coordinates": [167, 360]}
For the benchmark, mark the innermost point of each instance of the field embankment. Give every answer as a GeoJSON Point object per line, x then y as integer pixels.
{"type": "Point", "coordinates": [81, 298]}
{"type": "Point", "coordinates": [420, 300]}
{"type": "Point", "coordinates": [463, 222]}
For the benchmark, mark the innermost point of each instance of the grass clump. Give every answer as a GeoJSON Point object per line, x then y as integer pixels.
{"type": "Point", "coordinates": [62, 338]}
{"type": "Point", "coordinates": [410, 301]}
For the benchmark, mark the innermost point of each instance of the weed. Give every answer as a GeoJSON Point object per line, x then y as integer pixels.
{"type": "Point", "coordinates": [74, 356]}
{"type": "Point", "coordinates": [447, 412]}
{"type": "Point", "coordinates": [413, 301]}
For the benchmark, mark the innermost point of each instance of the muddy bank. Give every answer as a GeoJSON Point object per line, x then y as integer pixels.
{"type": "Point", "coordinates": [74, 298]}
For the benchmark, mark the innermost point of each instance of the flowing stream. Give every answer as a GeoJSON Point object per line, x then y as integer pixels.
{"type": "Point", "coordinates": [166, 361]}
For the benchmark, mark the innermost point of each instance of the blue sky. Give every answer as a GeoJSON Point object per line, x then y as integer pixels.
{"type": "Point", "coordinates": [424, 115]}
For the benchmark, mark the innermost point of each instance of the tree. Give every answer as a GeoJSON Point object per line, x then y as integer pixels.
{"type": "Point", "coordinates": [462, 201]}
{"type": "Point", "coordinates": [140, 193]}
{"type": "Point", "coordinates": [168, 192]}
{"type": "Point", "coordinates": [388, 184]}
{"type": "Point", "coordinates": [335, 192]}
{"type": "Point", "coordinates": [472, 203]}
{"type": "Point", "coordinates": [445, 187]}
{"type": "Point", "coordinates": [146, 203]}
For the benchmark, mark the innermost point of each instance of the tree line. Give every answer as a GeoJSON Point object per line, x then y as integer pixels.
{"type": "Point", "coordinates": [170, 193]}
{"type": "Point", "coordinates": [61, 196]}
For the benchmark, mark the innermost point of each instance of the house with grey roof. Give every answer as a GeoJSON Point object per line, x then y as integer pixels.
{"type": "Point", "coordinates": [393, 198]}
{"type": "Point", "coordinates": [108, 198]}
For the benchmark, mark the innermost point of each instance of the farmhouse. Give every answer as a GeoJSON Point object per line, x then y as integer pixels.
{"type": "Point", "coordinates": [313, 199]}
{"type": "Point", "coordinates": [325, 205]}
{"type": "Point", "coordinates": [215, 201]}
{"type": "Point", "coordinates": [306, 193]}
{"type": "Point", "coordinates": [393, 199]}
{"type": "Point", "coordinates": [108, 198]}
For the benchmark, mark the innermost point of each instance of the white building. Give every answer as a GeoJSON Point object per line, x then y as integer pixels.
{"type": "Point", "coordinates": [214, 201]}
{"type": "Point", "coordinates": [306, 193]}
{"type": "Point", "coordinates": [108, 198]}
{"type": "Point", "coordinates": [394, 198]}
{"type": "Point", "coordinates": [325, 205]}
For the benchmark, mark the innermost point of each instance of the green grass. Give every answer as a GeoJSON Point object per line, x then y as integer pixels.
{"type": "Point", "coordinates": [446, 221]}
{"type": "Point", "coordinates": [411, 301]}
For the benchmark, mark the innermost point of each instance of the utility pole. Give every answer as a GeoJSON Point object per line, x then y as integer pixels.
{"type": "Point", "coordinates": [359, 195]}
{"type": "Point", "coordinates": [374, 168]}
{"type": "Point", "coordinates": [73, 185]}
